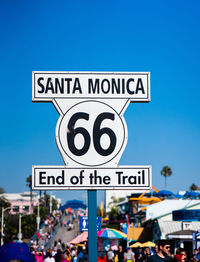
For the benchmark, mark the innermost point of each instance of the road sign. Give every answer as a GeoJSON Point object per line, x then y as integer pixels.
{"type": "Point", "coordinates": [91, 131]}
{"type": "Point", "coordinates": [83, 224]}
{"type": "Point", "coordinates": [62, 177]}
{"type": "Point", "coordinates": [91, 85]}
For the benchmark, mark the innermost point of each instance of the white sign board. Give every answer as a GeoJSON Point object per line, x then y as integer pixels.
{"type": "Point", "coordinates": [91, 85]}
{"type": "Point", "coordinates": [91, 132]}
{"type": "Point", "coordinates": [123, 177]}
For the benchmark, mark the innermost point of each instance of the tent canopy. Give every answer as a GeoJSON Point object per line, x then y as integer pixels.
{"type": "Point", "coordinates": [80, 238]}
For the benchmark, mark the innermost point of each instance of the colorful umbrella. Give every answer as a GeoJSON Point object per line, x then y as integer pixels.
{"type": "Point", "coordinates": [111, 233]}
{"type": "Point", "coordinates": [137, 244]}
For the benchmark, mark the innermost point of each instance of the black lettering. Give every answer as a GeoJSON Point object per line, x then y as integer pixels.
{"type": "Point", "coordinates": [128, 87]}
{"type": "Point", "coordinates": [132, 182]}
{"type": "Point", "coordinates": [115, 86]}
{"type": "Point", "coordinates": [119, 176]}
{"type": "Point", "coordinates": [96, 178]}
{"type": "Point", "coordinates": [60, 179]}
{"type": "Point", "coordinates": [68, 80]}
{"type": "Point", "coordinates": [143, 177]}
{"type": "Point", "coordinates": [77, 86]}
{"type": "Point", "coordinates": [103, 87]}
{"type": "Point", "coordinates": [59, 86]}
{"type": "Point", "coordinates": [81, 177]}
{"type": "Point", "coordinates": [139, 86]}
{"type": "Point", "coordinates": [123, 86]}
{"type": "Point", "coordinates": [93, 88]}
{"type": "Point", "coordinates": [91, 177]}
{"type": "Point", "coordinates": [41, 85]}
{"type": "Point", "coordinates": [124, 179]}
{"type": "Point", "coordinates": [49, 86]}
{"type": "Point", "coordinates": [106, 180]}
{"type": "Point", "coordinates": [41, 177]}
{"type": "Point", "coordinates": [51, 180]}
{"type": "Point", "coordinates": [74, 180]}
{"type": "Point", "coordinates": [139, 179]}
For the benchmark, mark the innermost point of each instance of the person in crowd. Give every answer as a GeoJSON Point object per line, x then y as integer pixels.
{"type": "Point", "coordinates": [58, 256]}
{"type": "Point", "coordinates": [49, 257]}
{"type": "Point", "coordinates": [39, 256]}
{"type": "Point", "coordinates": [13, 252]}
{"type": "Point", "coordinates": [120, 254]}
{"type": "Point", "coordinates": [139, 255]}
{"type": "Point", "coordinates": [163, 252]}
{"type": "Point", "coordinates": [80, 256]}
{"type": "Point", "coordinates": [156, 249]}
{"type": "Point", "coordinates": [181, 255]}
{"type": "Point", "coordinates": [147, 253]}
{"type": "Point", "coordinates": [196, 256]}
{"type": "Point", "coordinates": [129, 256]}
{"type": "Point", "coordinates": [67, 256]}
{"type": "Point", "coordinates": [110, 255]}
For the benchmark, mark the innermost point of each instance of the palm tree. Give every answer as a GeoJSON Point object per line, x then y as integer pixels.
{"type": "Point", "coordinates": [193, 187]}
{"type": "Point", "coordinates": [166, 171]}
{"type": "Point", "coordinates": [2, 190]}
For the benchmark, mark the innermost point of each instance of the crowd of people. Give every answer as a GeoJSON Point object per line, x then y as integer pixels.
{"type": "Point", "coordinates": [42, 238]}
{"type": "Point", "coordinates": [64, 254]}
{"type": "Point", "coordinates": [161, 252]}
{"type": "Point", "coordinates": [20, 252]}
{"type": "Point", "coordinates": [42, 249]}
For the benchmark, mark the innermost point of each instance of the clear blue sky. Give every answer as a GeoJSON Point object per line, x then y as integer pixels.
{"type": "Point", "coordinates": [161, 37]}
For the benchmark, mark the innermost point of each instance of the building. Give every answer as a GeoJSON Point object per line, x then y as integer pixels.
{"type": "Point", "coordinates": [21, 202]}
{"type": "Point", "coordinates": [176, 220]}
{"type": "Point", "coordinates": [117, 194]}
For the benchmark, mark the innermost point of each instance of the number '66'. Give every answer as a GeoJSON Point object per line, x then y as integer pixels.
{"type": "Point", "coordinates": [96, 134]}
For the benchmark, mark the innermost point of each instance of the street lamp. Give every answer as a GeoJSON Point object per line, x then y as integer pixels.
{"type": "Point", "coordinates": [20, 227]}
{"type": "Point", "coordinates": [38, 216]}
{"type": "Point", "coordinates": [2, 223]}
{"type": "Point", "coordinates": [50, 203]}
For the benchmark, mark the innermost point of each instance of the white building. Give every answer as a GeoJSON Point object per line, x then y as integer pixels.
{"type": "Point", "coordinates": [117, 194]}
{"type": "Point", "coordinates": [159, 217]}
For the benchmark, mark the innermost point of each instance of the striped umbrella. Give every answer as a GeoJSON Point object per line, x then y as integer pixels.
{"type": "Point", "coordinates": [111, 233]}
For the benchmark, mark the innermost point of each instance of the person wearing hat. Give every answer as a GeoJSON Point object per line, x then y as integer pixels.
{"type": "Point", "coordinates": [14, 252]}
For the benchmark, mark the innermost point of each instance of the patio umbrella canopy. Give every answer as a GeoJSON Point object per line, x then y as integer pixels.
{"type": "Point", "coordinates": [164, 193]}
{"type": "Point", "coordinates": [148, 244]}
{"type": "Point", "coordinates": [80, 238]}
{"type": "Point", "coordinates": [191, 194]}
{"type": "Point", "coordinates": [135, 245]}
{"type": "Point", "coordinates": [111, 233]}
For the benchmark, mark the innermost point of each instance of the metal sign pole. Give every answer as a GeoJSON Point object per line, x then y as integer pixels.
{"type": "Point", "coordinates": [92, 225]}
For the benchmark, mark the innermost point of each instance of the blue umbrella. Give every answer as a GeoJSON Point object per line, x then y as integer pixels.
{"type": "Point", "coordinates": [164, 193]}
{"type": "Point", "coordinates": [192, 194]}
{"type": "Point", "coordinates": [178, 196]}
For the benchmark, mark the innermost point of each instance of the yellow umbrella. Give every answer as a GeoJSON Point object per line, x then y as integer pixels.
{"type": "Point", "coordinates": [137, 244]}
{"type": "Point", "coordinates": [148, 244]}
